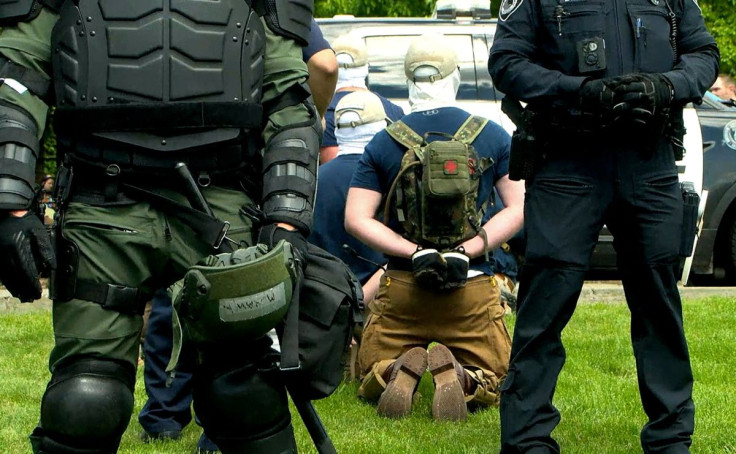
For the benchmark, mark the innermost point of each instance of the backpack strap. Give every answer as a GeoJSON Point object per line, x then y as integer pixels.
{"type": "Point", "coordinates": [402, 133]}
{"type": "Point", "coordinates": [468, 132]}
{"type": "Point", "coordinates": [470, 129]}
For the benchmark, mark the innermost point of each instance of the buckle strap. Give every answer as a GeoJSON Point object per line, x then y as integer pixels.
{"type": "Point", "coordinates": [290, 337]}
{"type": "Point", "coordinates": [120, 298]}
{"type": "Point", "coordinates": [212, 230]}
{"type": "Point", "coordinates": [33, 80]}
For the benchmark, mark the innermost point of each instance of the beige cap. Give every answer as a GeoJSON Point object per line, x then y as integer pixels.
{"type": "Point", "coordinates": [429, 52]}
{"type": "Point", "coordinates": [350, 51]}
{"type": "Point", "coordinates": [357, 108]}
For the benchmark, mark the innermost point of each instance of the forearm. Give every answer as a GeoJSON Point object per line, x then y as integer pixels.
{"type": "Point", "coordinates": [694, 74]}
{"type": "Point", "coordinates": [379, 237]}
{"type": "Point", "coordinates": [518, 77]}
{"type": "Point", "coordinates": [499, 229]}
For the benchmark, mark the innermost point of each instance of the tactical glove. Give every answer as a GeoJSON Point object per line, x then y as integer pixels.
{"type": "Point", "coordinates": [429, 268]}
{"type": "Point", "coordinates": [457, 269]}
{"type": "Point", "coordinates": [271, 234]}
{"type": "Point", "coordinates": [641, 96]}
{"type": "Point", "coordinates": [597, 95]}
{"type": "Point", "coordinates": [25, 249]}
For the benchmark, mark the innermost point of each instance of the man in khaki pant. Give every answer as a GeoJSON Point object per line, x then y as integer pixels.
{"type": "Point", "coordinates": [439, 286]}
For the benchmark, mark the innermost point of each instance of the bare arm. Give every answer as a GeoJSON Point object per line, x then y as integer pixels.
{"type": "Point", "coordinates": [504, 224]}
{"type": "Point", "coordinates": [360, 222]}
{"type": "Point", "coordinates": [370, 288]}
{"type": "Point", "coordinates": [322, 68]}
{"type": "Point", "coordinates": [327, 154]}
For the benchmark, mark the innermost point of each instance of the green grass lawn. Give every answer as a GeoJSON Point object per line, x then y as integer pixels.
{"type": "Point", "coordinates": [597, 393]}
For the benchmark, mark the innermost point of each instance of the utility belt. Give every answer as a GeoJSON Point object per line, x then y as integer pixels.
{"type": "Point", "coordinates": [101, 168]}
{"type": "Point", "coordinates": [556, 123]}
{"type": "Point", "coordinates": [541, 126]}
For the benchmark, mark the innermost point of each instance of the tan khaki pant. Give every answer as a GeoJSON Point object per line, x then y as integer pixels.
{"type": "Point", "coordinates": [469, 321]}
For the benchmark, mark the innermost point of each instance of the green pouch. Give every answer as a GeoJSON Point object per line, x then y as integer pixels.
{"type": "Point", "coordinates": [447, 169]}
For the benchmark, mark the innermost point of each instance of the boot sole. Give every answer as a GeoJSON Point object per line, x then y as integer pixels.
{"type": "Point", "coordinates": [396, 400]}
{"type": "Point", "coordinates": [448, 403]}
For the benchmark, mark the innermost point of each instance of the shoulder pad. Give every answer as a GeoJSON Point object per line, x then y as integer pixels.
{"type": "Point", "coordinates": [14, 11]}
{"type": "Point", "coordinates": [289, 18]}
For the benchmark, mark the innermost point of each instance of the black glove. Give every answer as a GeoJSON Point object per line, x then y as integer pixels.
{"type": "Point", "coordinates": [429, 268]}
{"type": "Point", "coordinates": [25, 248]}
{"type": "Point", "coordinates": [597, 95]}
{"type": "Point", "coordinates": [271, 234]}
{"type": "Point", "coordinates": [640, 96]}
{"type": "Point", "coordinates": [457, 269]}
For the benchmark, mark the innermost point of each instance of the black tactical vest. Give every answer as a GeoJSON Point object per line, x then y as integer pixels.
{"type": "Point", "coordinates": [156, 78]}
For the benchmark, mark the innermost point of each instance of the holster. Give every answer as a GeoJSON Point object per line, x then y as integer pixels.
{"type": "Point", "coordinates": [524, 155]}
{"type": "Point", "coordinates": [691, 201]}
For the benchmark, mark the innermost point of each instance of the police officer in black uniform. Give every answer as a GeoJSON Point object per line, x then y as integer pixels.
{"type": "Point", "coordinates": [604, 83]}
{"type": "Point", "coordinates": [175, 119]}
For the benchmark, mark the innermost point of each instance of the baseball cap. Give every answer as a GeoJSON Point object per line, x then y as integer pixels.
{"type": "Point", "coordinates": [357, 108]}
{"type": "Point", "coordinates": [429, 57]}
{"type": "Point", "coordinates": [350, 51]}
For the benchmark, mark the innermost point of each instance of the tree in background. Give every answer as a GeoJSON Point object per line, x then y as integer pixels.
{"type": "Point", "coordinates": [720, 17]}
{"type": "Point", "coordinates": [374, 8]}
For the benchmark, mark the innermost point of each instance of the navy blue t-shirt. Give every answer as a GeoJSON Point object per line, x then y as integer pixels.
{"type": "Point", "coordinates": [381, 159]}
{"type": "Point", "coordinates": [316, 42]}
{"type": "Point", "coordinates": [328, 229]}
{"type": "Point", "coordinates": [393, 112]}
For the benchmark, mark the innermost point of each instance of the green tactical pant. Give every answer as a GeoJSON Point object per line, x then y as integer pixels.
{"type": "Point", "coordinates": [136, 246]}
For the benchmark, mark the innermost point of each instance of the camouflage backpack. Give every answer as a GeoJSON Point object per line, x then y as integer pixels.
{"type": "Point", "coordinates": [436, 189]}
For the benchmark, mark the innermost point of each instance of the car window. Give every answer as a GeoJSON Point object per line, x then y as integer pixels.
{"type": "Point", "coordinates": [386, 73]}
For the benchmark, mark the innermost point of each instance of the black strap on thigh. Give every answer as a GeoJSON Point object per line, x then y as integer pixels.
{"type": "Point", "coordinates": [119, 298]}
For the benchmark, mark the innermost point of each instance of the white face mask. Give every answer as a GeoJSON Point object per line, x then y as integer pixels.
{"type": "Point", "coordinates": [352, 77]}
{"type": "Point", "coordinates": [432, 95]}
{"type": "Point", "coordinates": [354, 140]}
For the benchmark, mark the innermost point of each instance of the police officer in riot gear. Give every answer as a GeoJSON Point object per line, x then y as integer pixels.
{"type": "Point", "coordinates": [604, 83]}
{"type": "Point", "coordinates": [176, 120]}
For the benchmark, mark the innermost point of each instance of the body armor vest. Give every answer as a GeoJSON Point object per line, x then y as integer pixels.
{"type": "Point", "coordinates": [152, 77]}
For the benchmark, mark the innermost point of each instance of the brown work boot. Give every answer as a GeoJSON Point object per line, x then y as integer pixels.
{"type": "Point", "coordinates": [451, 384]}
{"type": "Point", "coordinates": [403, 376]}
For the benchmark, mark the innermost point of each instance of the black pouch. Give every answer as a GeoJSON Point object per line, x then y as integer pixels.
{"type": "Point", "coordinates": [691, 200]}
{"type": "Point", "coordinates": [523, 156]}
{"type": "Point", "coordinates": [330, 295]}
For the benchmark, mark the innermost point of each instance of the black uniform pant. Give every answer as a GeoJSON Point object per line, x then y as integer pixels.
{"type": "Point", "coordinates": [575, 192]}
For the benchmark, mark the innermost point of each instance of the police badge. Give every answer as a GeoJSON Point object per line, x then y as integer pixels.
{"type": "Point", "coordinates": [508, 7]}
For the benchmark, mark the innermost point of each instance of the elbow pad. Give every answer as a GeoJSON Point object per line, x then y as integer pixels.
{"type": "Point", "coordinates": [289, 18]}
{"type": "Point", "coordinates": [19, 148]}
{"type": "Point", "coordinates": [290, 162]}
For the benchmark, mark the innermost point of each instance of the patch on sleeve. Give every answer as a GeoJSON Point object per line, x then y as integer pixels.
{"type": "Point", "coordinates": [509, 7]}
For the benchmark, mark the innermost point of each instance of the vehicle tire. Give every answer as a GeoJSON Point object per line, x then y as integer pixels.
{"type": "Point", "coordinates": [730, 259]}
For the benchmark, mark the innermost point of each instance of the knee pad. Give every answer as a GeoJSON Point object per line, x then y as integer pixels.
{"type": "Point", "coordinates": [86, 408]}
{"type": "Point", "coordinates": [241, 407]}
